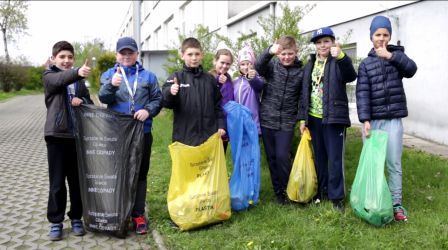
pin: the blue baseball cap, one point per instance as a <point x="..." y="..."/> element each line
<point x="127" y="43"/>
<point x="322" y="32"/>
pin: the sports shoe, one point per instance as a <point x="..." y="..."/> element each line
<point x="55" y="231"/>
<point x="338" y="205"/>
<point x="78" y="227"/>
<point x="400" y="214"/>
<point x="140" y="224"/>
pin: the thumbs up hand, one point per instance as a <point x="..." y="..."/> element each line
<point x="382" y="52"/>
<point x="175" y="87"/>
<point x="275" y="49"/>
<point x="116" y="79"/>
<point x="335" y="50"/>
<point x="222" y="78"/>
<point x="251" y="72"/>
<point x="84" y="71"/>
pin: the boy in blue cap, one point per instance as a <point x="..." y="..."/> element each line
<point x="325" y="107"/>
<point x="129" y="88"/>
<point x="381" y="100"/>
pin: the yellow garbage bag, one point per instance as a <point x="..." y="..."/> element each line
<point x="198" y="194"/>
<point x="302" y="183"/>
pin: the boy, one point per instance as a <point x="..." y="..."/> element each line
<point x="130" y="89"/>
<point x="195" y="98"/>
<point x="325" y="107"/>
<point x="381" y="100"/>
<point x="64" y="88"/>
<point x="279" y="108"/>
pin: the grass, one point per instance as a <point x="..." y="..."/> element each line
<point x="271" y="226"/>
<point x="7" y="95"/>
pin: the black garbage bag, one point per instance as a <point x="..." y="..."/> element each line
<point x="109" y="147"/>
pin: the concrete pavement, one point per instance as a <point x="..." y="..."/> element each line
<point x="24" y="185"/>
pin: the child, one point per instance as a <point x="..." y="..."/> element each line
<point x="279" y="108"/>
<point x="381" y="100"/>
<point x="325" y="107"/>
<point x="194" y="97"/>
<point x="64" y="88"/>
<point x="129" y="88"/>
<point x="222" y="62"/>
<point x="247" y="87"/>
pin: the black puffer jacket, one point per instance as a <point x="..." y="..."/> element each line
<point x="337" y="74"/>
<point x="197" y="106"/>
<point x="379" y="90"/>
<point x="281" y="92"/>
<point x="59" y="122"/>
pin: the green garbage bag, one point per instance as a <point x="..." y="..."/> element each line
<point x="370" y="197"/>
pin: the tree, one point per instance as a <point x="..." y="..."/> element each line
<point x="273" y="28"/>
<point x="13" y="21"/>
<point x="208" y="42"/>
<point x="92" y="50"/>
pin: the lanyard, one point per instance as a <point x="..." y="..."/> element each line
<point x="131" y="93"/>
<point x="322" y="72"/>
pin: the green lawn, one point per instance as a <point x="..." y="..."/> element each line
<point x="271" y="226"/>
<point x="7" y="95"/>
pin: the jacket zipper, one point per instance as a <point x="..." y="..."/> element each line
<point x="386" y="91"/>
<point x="283" y="97"/>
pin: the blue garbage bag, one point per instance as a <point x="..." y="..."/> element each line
<point x="245" y="179"/>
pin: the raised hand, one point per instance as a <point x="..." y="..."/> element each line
<point x="335" y="50"/>
<point x="275" y="49"/>
<point x="117" y="78"/>
<point x="175" y="87"/>
<point x="382" y="52"/>
<point x="222" y="78"/>
<point x="84" y="71"/>
<point x="251" y="73"/>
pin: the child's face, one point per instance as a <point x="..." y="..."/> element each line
<point x="127" y="57"/>
<point x="222" y="65"/>
<point x="192" y="57"/>
<point x="381" y="37"/>
<point x="245" y="66"/>
<point x="287" y="56"/>
<point x="64" y="59"/>
<point x="323" y="46"/>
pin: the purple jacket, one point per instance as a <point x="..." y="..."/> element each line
<point x="247" y="93"/>
<point x="226" y="90"/>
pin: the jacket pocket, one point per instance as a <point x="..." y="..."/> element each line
<point x="59" y="119"/>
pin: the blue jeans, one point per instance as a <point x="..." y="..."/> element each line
<point x="394" y="129"/>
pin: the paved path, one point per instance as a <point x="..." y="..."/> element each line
<point x="24" y="185"/>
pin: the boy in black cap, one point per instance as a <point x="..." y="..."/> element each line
<point x="325" y="107"/>
<point x="381" y="100"/>
<point x="129" y="88"/>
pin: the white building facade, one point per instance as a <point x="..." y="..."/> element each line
<point x="419" y="26"/>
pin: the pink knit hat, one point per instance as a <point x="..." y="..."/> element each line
<point x="246" y="54"/>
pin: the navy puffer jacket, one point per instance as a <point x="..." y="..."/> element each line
<point x="379" y="90"/>
<point x="281" y="92"/>
<point x="337" y="74"/>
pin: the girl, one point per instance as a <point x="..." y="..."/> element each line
<point x="222" y="62"/>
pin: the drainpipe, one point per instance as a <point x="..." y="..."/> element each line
<point x="137" y="5"/>
<point x="272" y="13"/>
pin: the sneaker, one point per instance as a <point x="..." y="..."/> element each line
<point x="78" y="227"/>
<point x="140" y="224"/>
<point x="55" y="231"/>
<point x="400" y="214"/>
<point x="338" y="205"/>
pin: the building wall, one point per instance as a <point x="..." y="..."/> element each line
<point x="419" y="25"/>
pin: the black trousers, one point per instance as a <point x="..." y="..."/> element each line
<point x="328" y="145"/>
<point x="140" y="197"/>
<point x="277" y="145"/>
<point x="62" y="165"/>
